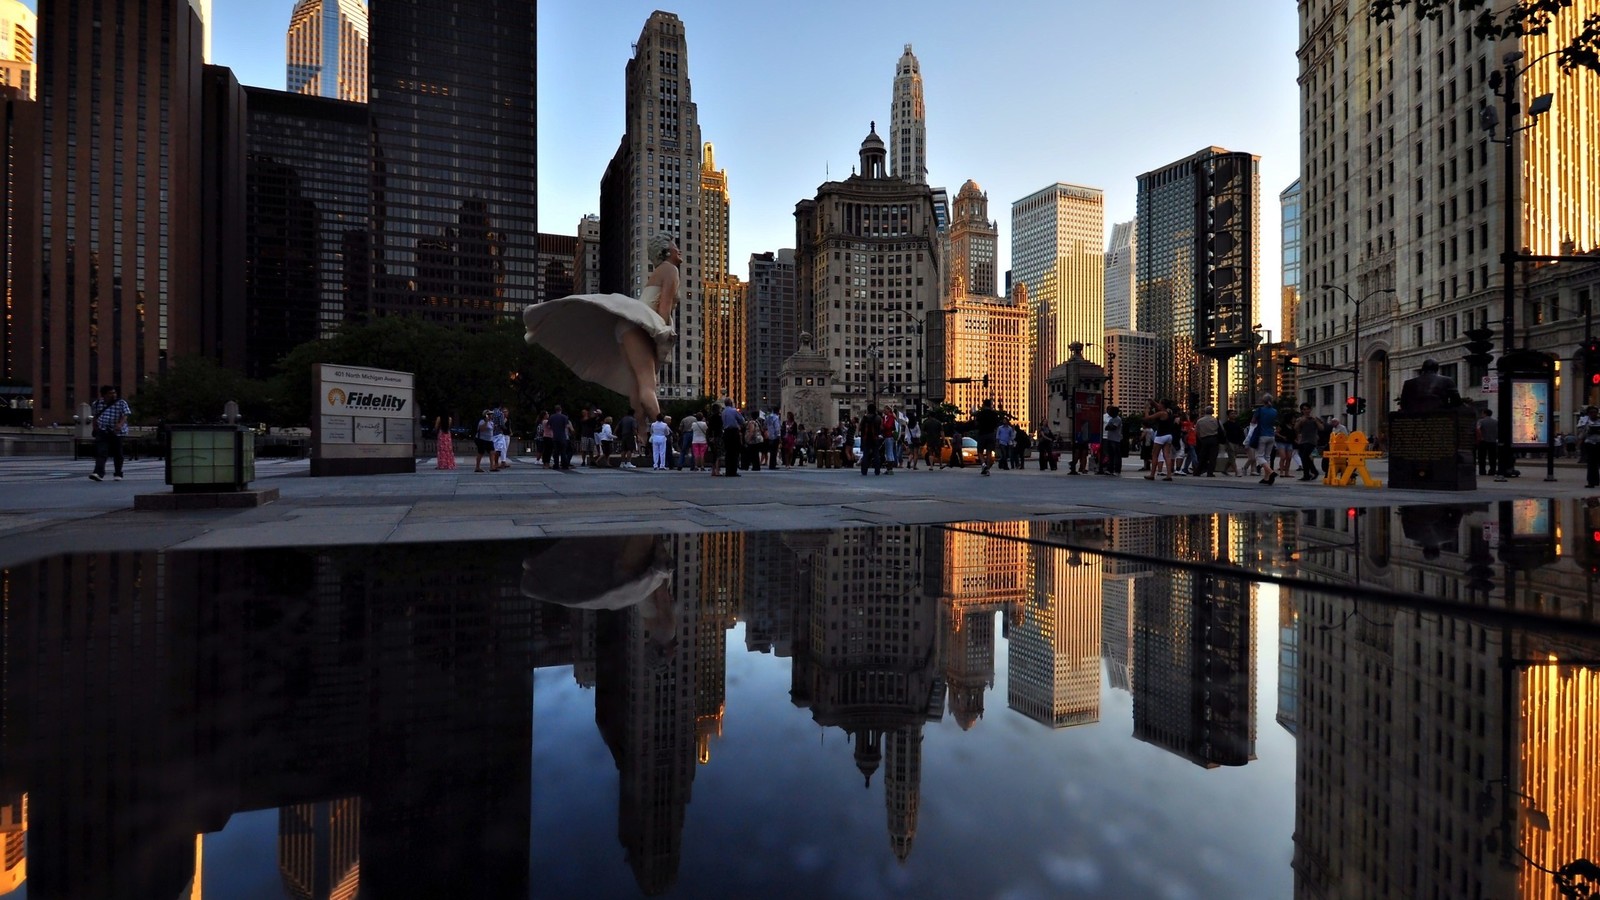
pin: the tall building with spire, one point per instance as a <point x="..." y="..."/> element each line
<point x="1057" y="253"/>
<point x="723" y="295"/>
<point x="454" y="196"/>
<point x="908" y="122"/>
<point x="19" y="35"/>
<point x="651" y="186"/>
<point x="974" y="243"/>
<point x="327" y="49"/>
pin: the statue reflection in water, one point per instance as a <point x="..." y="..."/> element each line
<point x="612" y="574"/>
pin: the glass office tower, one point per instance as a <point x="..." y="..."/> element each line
<point x="454" y="201"/>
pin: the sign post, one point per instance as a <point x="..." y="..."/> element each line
<point x="363" y="421"/>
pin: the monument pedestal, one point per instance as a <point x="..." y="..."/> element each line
<point x="1433" y="451"/>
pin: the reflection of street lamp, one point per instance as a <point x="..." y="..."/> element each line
<point x="1355" y="374"/>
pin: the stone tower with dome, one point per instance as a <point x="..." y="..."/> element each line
<point x="867" y="278"/>
<point x="974" y="242"/>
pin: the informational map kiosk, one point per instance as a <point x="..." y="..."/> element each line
<point x="363" y="421"/>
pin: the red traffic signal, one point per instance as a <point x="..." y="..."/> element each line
<point x="1350" y="406"/>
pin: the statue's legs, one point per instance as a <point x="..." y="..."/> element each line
<point x="639" y="351"/>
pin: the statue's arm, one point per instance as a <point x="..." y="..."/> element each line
<point x="669" y="293"/>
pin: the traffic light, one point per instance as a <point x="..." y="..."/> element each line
<point x="1589" y="355"/>
<point x="1361" y="405"/>
<point x="1479" y="346"/>
<point x="1351" y="406"/>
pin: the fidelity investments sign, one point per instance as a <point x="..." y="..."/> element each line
<point x="363" y="413"/>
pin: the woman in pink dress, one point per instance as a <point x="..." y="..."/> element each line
<point x="446" y="442"/>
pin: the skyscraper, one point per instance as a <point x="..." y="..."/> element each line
<point x="868" y="266"/>
<point x="307" y="218"/>
<point x="121" y="247"/>
<point x="1120" y="309"/>
<point x="772" y="324"/>
<point x="908" y="122"/>
<point x="1057" y="252"/>
<point x="723" y="295"/>
<point x="454" y="203"/>
<point x="19" y="230"/>
<point x="1403" y="191"/>
<point x="1181" y="296"/>
<point x="652" y="185"/>
<point x="19" y="33"/>
<point x="327" y="49"/>
<point x="974" y="242"/>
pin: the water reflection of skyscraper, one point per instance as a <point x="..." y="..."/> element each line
<point x="1054" y="653"/>
<point x="1194" y="648"/>
<point x="866" y="659"/>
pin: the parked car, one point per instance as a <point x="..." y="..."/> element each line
<point x="969" y="451"/>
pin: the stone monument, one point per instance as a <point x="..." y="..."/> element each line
<point x="1431" y="438"/>
<point x="805" y="388"/>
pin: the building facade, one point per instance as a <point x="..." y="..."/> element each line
<point x="1057" y="252"/>
<point x="1200" y="315"/>
<point x="121" y="251"/>
<point x="1130" y="370"/>
<point x="908" y="122"/>
<point x="974" y="243"/>
<point x="19" y="36"/>
<point x="867" y="264"/>
<point x="558" y="266"/>
<point x="586" y="280"/>
<point x="652" y="185"/>
<point x="986" y="355"/>
<point x="306" y="220"/>
<point x="723" y="295"/>
<point x="1121" y="310"/>
<point x="772" y="325"/>
<point x="1404" y="192"/>
<point x="20" y="200"/>
<point x="326" y="49"/>
<point x="454" y="175"/>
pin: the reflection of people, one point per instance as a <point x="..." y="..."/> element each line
<point x="583" y="329"/>
<point x="1428" y="391"/>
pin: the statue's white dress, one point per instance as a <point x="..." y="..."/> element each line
<point x="585" y="332"/>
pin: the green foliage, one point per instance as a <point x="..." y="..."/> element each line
<point x="1521" y="17"/>
<point x="195" y="390"/>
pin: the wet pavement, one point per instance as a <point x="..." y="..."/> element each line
<point x="1323" y="701"/>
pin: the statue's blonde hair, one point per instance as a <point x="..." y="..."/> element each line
<point x="660" y="243"/>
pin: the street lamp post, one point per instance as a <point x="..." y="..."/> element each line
<point x="1355" y="376"/>
<point x="873" y="349"/>
<point x="1503" y="84"/>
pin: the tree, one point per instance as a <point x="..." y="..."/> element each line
<point x="1521" y="17"/>
<point x="194" y="389"/>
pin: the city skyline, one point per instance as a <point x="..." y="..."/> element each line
<point x="777" y="153"/>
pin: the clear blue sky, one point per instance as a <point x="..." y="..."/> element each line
<point x="1019" y="95"/>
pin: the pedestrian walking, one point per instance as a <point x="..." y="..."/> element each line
<point x="987" y="421"/>
<point x="1589" y="440"/>
<point x="561" y="432"/>
<point x="1488" y="444"/>
<point x="110" y="426"/>
<point x="1308" y="434"/>
<point x="1208" y="440"/>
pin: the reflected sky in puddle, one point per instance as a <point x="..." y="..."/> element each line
<point x="1310" y="704"/>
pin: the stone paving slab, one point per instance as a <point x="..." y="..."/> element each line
<point x="49" y="506"/>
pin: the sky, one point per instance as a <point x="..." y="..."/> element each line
<point x="1020" y="94"/>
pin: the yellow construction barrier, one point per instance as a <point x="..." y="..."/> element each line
<point x="1346" y="459"/>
